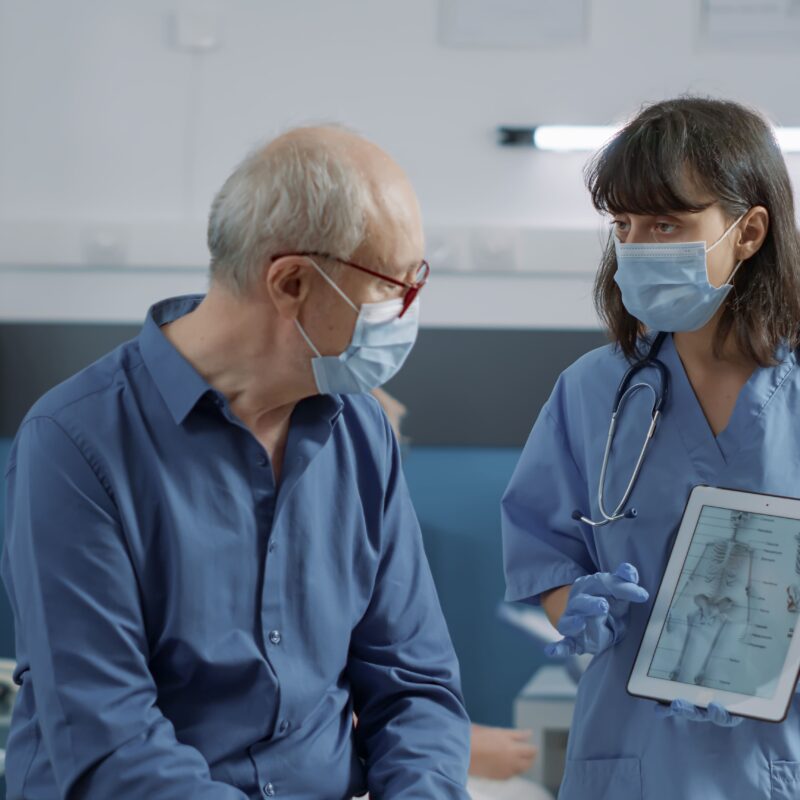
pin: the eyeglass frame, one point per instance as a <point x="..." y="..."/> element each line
<point x="413" y="289"/>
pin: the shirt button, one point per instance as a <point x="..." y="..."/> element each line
<point x="275" y="637"/>
<point x="262" y="460"/>
<point x="284" y="725"/>
<point x="272" y="546"/>
<point x="269" y="790"/>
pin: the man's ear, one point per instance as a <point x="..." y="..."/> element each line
<point x="753" y="230"/>
<point x="287" y="281"/>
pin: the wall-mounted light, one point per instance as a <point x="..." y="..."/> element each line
<point x="587" y="138"/>
<point x="788" y="139"/>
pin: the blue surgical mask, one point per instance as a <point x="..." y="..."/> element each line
<point x="379" y="346"/>
<point x="666" y="286"/>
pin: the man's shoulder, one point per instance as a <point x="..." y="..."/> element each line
<point x="81" y="395"/>
<point x="367" y="428"/>
<point x="364" y="412"/>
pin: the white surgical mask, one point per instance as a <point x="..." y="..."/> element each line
<point x="665" y="285"/>
<point x="379" y="346"/>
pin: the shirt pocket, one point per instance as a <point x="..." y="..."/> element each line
<point x="784" y="780"/>
<point x="602" y="779"/>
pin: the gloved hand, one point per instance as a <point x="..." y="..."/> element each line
<point x="596" y="612"/>
<point x="715" y="713"/>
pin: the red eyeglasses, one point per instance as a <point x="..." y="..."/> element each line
<point x="412" y="289"/>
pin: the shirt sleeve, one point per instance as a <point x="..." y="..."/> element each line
<point x="81" y="634"/>
<point x="543" y="546"/>
<point x="413" y="731"/>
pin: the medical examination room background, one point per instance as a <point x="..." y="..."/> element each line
<point x="119" y="120"/>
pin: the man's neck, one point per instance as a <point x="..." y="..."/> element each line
<point x="234" y="344"/>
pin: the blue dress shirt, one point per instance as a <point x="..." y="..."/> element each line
<point x="186" y="628"/>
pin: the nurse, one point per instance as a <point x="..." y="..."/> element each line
<point x="683" y="171"/>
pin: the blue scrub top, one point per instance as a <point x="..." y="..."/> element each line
<point x="186" y="628"/>
<point x="618" y="748"/>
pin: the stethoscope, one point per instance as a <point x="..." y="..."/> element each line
<point x="624" y="392"/>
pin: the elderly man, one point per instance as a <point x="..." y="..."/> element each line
<point x="210" y="551"/>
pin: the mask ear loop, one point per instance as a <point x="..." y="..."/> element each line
<point x="338" y="291"/>
<point x="724" y="235"/>
<point x="307" y="338"/>
<point x="733" y="274"/>
<point x="333" y="285"/>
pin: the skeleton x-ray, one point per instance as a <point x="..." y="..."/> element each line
<point x="731" y="620"/>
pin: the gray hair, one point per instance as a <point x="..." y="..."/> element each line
<point x="300" y="196"/>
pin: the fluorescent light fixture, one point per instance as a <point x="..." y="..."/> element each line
<point x="566" y="138"/>
<point x="587" y="138"/>
<point x="788" y="139"/>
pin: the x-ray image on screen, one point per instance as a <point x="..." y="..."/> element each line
<point x="731" y="619"/>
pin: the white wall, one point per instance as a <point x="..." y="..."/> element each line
<point x="112" y="141"/>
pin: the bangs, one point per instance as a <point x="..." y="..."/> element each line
<point x="647" y="168"/>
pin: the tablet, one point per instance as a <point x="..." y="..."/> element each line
<point x="723" y="627"/>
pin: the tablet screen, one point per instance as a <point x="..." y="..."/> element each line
<point x="731" y="618"/>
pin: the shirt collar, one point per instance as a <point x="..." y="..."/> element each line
<point x="179" y="383"/>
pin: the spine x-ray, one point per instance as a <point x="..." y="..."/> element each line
<point x="731" y="619"/>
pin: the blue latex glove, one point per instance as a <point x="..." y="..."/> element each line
<point x="715" y="713"/>
<point x="596" y="612"/>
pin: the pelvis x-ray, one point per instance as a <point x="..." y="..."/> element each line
<point x="731" y="620"/>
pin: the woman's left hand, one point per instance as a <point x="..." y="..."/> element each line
<point x="715" y="713"/>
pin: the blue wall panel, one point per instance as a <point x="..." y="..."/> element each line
<point x="456" y="492"/>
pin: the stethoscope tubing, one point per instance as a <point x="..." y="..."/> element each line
<point x="624" y="392"/>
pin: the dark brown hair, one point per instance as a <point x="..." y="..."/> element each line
<point x="729" y="152"/>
